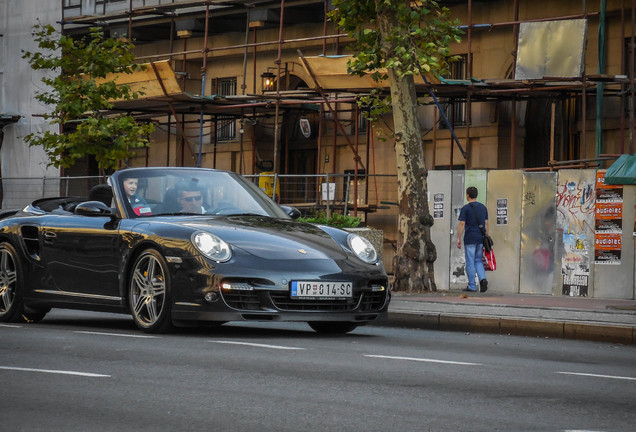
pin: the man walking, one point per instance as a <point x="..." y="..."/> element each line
<point x="471" y="216"/>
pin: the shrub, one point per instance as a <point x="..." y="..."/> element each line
<point x="336" y="220"/>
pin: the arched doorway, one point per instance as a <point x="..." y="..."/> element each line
<point x="299" y="144"/>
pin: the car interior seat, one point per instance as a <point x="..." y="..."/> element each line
<point x="101" y="192"/>
<point x="170" y="203"/>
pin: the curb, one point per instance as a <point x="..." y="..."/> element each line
<point x="560" y="329"/>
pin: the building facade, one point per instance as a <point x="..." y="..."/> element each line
<point x="259" y="87"/>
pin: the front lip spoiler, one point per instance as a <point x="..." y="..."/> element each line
<point x="198" y="315"/>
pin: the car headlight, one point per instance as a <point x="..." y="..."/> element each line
<point x="362" y="248"/>
<point x="212" y="247"/>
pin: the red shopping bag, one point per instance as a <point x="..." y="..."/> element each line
<point x="488" y="258"/>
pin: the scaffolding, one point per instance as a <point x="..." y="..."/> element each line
<point x="270" y="104"/>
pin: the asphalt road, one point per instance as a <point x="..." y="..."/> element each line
<point x="87" y="371"/>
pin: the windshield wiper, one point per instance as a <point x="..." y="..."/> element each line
<point x="179" y="214"/>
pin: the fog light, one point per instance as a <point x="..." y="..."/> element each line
<point x="211" y="297"/>
<point x="376" y="288"/>
<point x="228" y="286"/>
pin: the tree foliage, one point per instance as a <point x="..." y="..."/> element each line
<point x="416" y="43"/>
<point x="396" y="40"/>
<point x="78" y="94"/>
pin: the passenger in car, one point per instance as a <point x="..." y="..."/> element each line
<point x="190" y="198"/>
<point x="138" y="204"/>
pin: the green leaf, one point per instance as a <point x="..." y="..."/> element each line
<point x="76" y="101"/>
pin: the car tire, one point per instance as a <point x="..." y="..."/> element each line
<point x="149" y="293"/>
<point x="34" y="315"/>
<point x="11" y="284"/>
<point x="333" y="327"/>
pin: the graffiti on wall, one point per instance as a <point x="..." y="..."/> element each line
<point x="575" y="204"/>
<point x="576" y="199"/>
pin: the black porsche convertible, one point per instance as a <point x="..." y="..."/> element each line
<point x="182" y="246"/>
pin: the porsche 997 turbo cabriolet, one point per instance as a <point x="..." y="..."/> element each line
<point x="182" y="246"/>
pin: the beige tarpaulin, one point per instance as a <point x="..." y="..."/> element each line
<point x="155" y="80"/>
<point x="331" y="73"/>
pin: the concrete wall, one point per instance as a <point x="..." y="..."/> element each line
<point x="18" y="84"/>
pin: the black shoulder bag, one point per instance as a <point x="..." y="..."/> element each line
<point x="488" y="243"/>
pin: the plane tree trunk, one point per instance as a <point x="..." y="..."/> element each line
<point x="413" y="263"/>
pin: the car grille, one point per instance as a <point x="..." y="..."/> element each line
<point x="260" y="300"/>
<point x="373" y="300"/>
<point x="242" y="300"/>
<point x="283" y="302"/>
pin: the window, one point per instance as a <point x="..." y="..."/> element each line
<point x="225" y="126"/>
<point x="362" y="123"/>
<point x="456" y="111"/>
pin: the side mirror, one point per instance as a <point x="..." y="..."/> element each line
<point x="292" y="212"/>
<point x="94" y="208"/>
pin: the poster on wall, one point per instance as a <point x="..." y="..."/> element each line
<point x="608" y="222"/>
<point x="438" y="206"/>
<point x="575" y="265"/>
<point x="502" y="211"/>
<point x="576" y="199"/>
<point x="609" y="218"/>
<point x="607" y="249"/>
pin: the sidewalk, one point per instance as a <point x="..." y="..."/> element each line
<point x="516" y="314"/>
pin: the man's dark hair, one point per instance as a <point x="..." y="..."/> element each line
<point x="472" y="192"/>
<point x="188" y="186"/>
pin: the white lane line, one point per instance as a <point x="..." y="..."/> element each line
<point x="279" y="347"/>
<point x="422" y="360"/>
<point x="118" y="334"/>
<point x="598" y="376"/>
<point x="51" y="371"/>
<point x="10" y="326"/>
<point x="580" y="430"/>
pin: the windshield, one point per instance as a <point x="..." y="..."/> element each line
<point x="146" y="192"/>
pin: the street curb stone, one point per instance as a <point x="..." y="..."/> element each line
<point x="624" y="334"/>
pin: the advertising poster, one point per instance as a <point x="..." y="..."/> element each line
<point x="609" y="218"/>
<point x="608" y="222"/>
<point x="502" y="211"/>
<point x="607" y="249"/>
<point x="438" y="206"/>
<point x="575" y="265"/>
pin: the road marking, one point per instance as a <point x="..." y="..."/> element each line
<point x="423" y="360"/>
<point x="598" y="376"/>
<point x="84" y="374"/>
<point x="279" y="347"/>
<point x="581" y="430"/>
<point x="10" y="326"/>
<point x="118" y="334"/>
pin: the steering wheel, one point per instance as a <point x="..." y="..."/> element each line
<point x="224" y="210"/>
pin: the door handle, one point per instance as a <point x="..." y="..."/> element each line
<point x="49" y="236"/>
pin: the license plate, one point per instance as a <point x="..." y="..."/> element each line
<point x="321" y="290"/>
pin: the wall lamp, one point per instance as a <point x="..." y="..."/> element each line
<point x="267" y="81"/>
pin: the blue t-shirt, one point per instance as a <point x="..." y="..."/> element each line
<point x="470" y="214"/>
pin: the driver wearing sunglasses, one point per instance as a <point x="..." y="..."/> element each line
<point x="190" y="198"/>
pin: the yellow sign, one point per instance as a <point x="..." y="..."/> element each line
<point x="266" y="183"/>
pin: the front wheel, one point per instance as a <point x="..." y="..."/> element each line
<point x="333" y="327"/>
<point x="11" y="280"/>
<point x="34" y="315"/>
<point x="149" y="293"/>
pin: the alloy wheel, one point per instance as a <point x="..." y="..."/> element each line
<point x="8" y="280"/>
<point x="148" y="291"/>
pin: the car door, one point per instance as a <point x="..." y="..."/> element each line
<point x="81" y="256"/>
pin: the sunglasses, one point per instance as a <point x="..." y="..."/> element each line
<point x="193" y="198"/>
